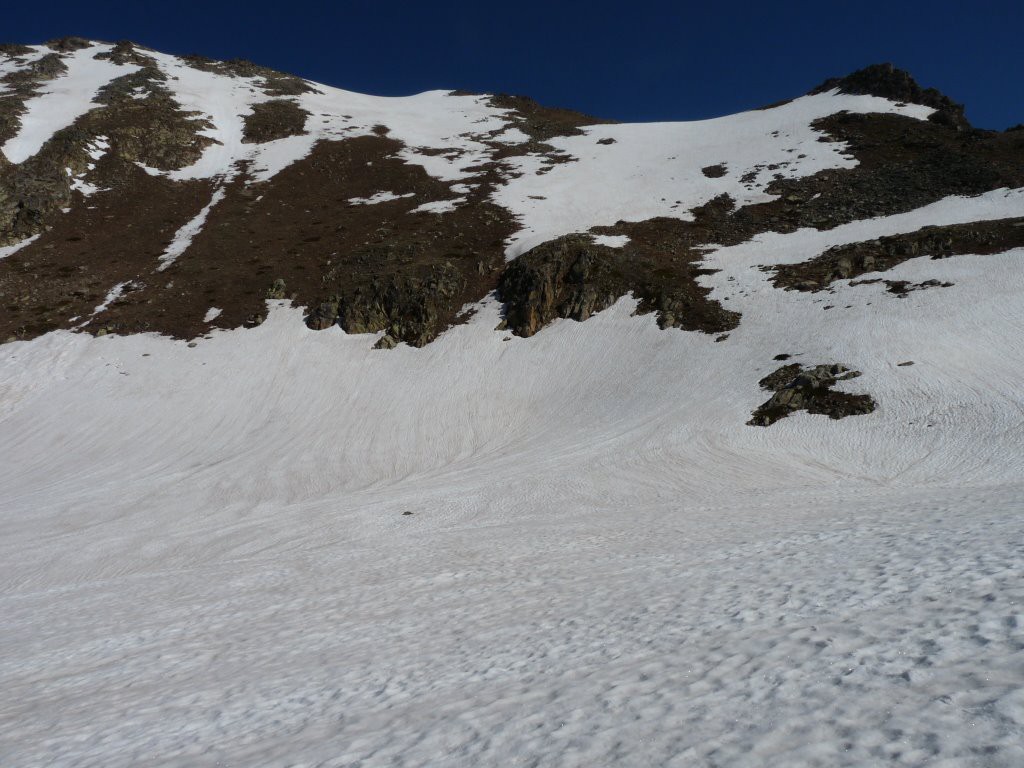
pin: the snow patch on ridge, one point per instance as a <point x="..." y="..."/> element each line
<point x="439" y="206"/>
<point x="654" y="169"/>
<point x="436" y="121"/>
<point x="63" y="100"/>
<point x="112" y="295"/>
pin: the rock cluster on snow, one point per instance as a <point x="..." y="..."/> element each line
<point x="801" y="388"/>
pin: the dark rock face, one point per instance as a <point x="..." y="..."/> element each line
<point x="849" y="261"/>
<point x="714" y="171"/>
<point x="68" y="44"/>
<point x="275" y="119"/>
<point x="570" y="277"/>
<point x="903" y="164"/>
<point x="799" y="388"/>
<point x="272" y="83"/>
<point x="574" y="278"/>
<point x="409" y="308"/>
<point x="888" y="82"/>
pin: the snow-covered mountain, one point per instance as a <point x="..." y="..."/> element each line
<point x="458" y="430"/>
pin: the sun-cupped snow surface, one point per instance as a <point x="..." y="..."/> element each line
<point x="654" y="169"/>
<point x="206" y="556"/>
<point x="63" y="100"/>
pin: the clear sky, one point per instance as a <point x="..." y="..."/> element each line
<point x="624" y="60"/>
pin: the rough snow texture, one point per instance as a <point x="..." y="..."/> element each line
<point x="206" y="558"/>
<point x="596" y="571"/>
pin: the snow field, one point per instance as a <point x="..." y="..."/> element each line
<point x="205" y="558"/>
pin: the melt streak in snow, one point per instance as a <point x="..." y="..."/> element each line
<point x="184" y="236"/>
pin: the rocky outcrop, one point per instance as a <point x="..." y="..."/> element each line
<point x="138" y="118"/>
<point x="407" y="308"/>
<point x="845" y="262"/>
<point x="272" y="82"/>
<point x="889" y="82"/>
<point x="276" y="119"/>
<point x="570" y="277"/>
<point x="800" y="388"/>
<point x="574" y="278"/>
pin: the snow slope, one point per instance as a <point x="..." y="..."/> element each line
<point x="206" y="557"/>
<point x="206" y="560"/>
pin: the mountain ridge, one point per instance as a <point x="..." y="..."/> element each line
<point x="382" y="266"/>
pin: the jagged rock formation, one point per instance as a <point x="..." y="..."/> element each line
<point x="888" y="82"/>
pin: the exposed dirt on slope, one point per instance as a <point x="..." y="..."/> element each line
<point x="137" y="117"/>
<point x="116" y="238"/>
<point x="378" y="267"/>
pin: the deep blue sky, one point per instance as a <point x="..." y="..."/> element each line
<point x="627" y="60"/>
